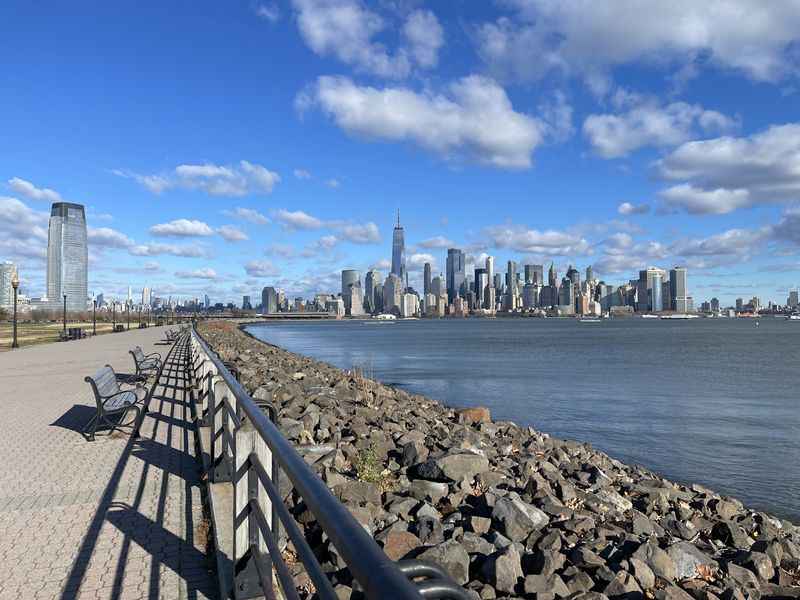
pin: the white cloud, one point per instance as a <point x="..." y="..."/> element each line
<point x="532" y="241"/>
<point x="216" y="180"/>
<point x="27" y="189"/>
<point x="182" y="228"/>
<point x="246" y="214"/>
<point x="23" y="231"/>
<point x="649" y="124"/>
<point x="198" y="274"/>
<point x="359" y="233"/>
<point x="156" y="249"/>
<point x="333" y="183"/>
<point x="270" y="12"/>
<point x="296" y="219"/>
<point x="626" y="208"/>
<point x="346" y="29"/>
<point x="732" y="241"/>
<point x="438" y="241"/>
<point x="556" y="112"/>
<point x="416" y="261"/>
<point x="232" y="234"/>
<point x="474" y="119"/>
<point x="726" y="173"/>
<point x="283" y="250"/>
<point x="381" y="265"/>
<point x="589" y="39"/>
<point x="425" y="37"/>
<point x="261" y="268"/>
<point x="108" y="238"/>
<point x="302" y="174"/>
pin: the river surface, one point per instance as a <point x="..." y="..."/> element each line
<point x="711" y="401"/>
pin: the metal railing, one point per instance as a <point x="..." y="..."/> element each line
<point x="248" y="451"/>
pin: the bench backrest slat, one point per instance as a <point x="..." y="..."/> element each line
<point x="105" y="381"/>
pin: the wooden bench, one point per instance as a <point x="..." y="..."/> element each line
<point x="113" y="403"/>
<point x="146" y="364"/>
<point x="171" y="335"/>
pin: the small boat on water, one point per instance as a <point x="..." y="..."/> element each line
<point x="590" y="320"/>
<point x="650" y="316"/>
<point x="793" y="318"/>
<point x="681" y="317"/>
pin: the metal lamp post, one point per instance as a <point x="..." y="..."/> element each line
<point x="114" y="316"/>
<point x="129" y="315"/>
<point x="15" y="285"/>
<point x="65" y="315"/>
<point x="94" y="317"/>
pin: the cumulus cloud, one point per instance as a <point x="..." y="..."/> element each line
<point x="425" y="37"/>
<point x="532" y="241"/>
<point x="261" y="268"/>
<point x="589" y="39"/>
<point x="269" y="12"/>
<point x="333" y="183"/>
<point x="626" y="208"/>
<point x="156" y="249"/>
<point x="472" y="119"/>
<point x="27" y="189"/>
<point x="182" y="228"/>
<point x="216" y="180"/>
<point x="23" y="231"/>
<point x="650" y="124"/>
<point x="346" y="29"/>
<point x="246" y="214"/>
<point x="296" y="219"/>
<point x="417" y="260"/>
<point x="359" y="233"/>
<point x="210" y="274"/>
<point x="108" y="238"/>
<point x="438" y="241"/>
<point x="722" y="174"/>
<point x="302" y="174"/>
<point x="232" y="234"/>
<point x="732" y="241"/>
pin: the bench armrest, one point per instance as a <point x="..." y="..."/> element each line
<point x="138" y="387"/>
<point x="153" y="354"/>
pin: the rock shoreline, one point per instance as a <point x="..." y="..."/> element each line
<point x="508" y="511"/>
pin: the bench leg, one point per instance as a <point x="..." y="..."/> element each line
<point x="92" y="425"/>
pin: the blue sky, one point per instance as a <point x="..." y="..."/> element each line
<point x="223" y="146"/>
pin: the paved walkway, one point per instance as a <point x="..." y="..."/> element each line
<point x="114" y="518"/>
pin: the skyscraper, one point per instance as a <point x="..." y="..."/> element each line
<point x="481" y="282"/>
<point x="146" y="296"/>
<point x="511" y="277"/>
<point x="392" y="294"/>
<point x="678" y="290"/>
<point x="67" y="256"/>
<point x="371" y="281"/>
<point x="350" y="279"/>
<point x="456" y="272"/>
<point x="7" y="271"/>
<point x="552" y="277"/>
<point x="426" y="279"/>
<point x="269" y="300"/>
<point x="399" y="251"/>
<point x="490" y="269"/>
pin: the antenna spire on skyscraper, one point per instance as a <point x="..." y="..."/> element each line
<point x="398" y="217"/>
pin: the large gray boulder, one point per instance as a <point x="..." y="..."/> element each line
<point x="516" y="518"/>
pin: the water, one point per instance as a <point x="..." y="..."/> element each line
<point x="711" y="401"/>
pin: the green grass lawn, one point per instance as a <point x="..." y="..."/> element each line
<point x="29" y="334"/>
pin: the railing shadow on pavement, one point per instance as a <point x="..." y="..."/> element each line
<point x="128" y="518"/>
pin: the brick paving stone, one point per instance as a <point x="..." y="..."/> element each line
<point x="113" y="518"/>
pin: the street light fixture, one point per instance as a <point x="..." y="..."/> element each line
<point x="15" y="285"/>
<point x="94" y="317"/>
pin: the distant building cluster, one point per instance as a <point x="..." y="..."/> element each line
<point x="521" y="289"/>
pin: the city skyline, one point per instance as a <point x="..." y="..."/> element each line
<point x="617" y="162"/>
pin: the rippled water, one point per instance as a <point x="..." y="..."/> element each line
<point x="712" y="401"/>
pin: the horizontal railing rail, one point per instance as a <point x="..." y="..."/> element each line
<point x="250" y="456"/>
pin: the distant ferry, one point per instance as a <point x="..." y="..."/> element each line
<point x="385" y="317"/>
<point x="650" y="316"/>
<point x="793" y="318"/>
<point x="681" y="317"/>
<point x="590" y="320"/>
